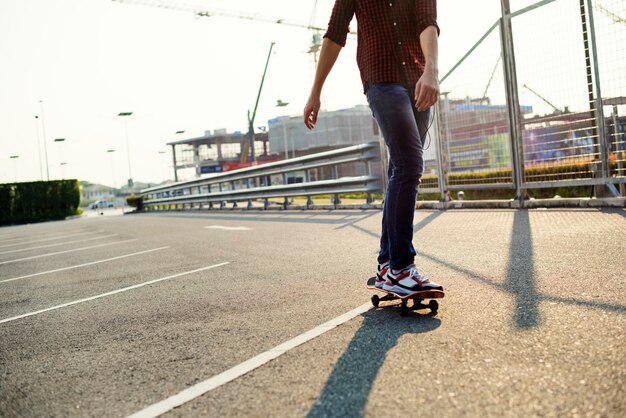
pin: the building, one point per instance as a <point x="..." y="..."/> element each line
<point x="287" y="137"/>
<point x="215" y="152"/>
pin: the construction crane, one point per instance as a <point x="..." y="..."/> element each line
<point x="204" y="12"/>
<point x="557" y="111"/>
<point x="198" y="11"/>
<point x="615" y="17"/>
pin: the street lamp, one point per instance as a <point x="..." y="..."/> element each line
<point x="62" y="175"/>
<point x="111" y="151"/>
<point x="14" y="158"/>
<point x="45" y="144"/>
<point x="60" y="141"/>
<point x="130" y="175"/>
<point x="163" y="163"/>
<point x="280" y="103"/>
<point x="38" y="146"/>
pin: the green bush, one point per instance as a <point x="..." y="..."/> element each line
<point x="553" y="172"/>
<point x="38" y="201"/>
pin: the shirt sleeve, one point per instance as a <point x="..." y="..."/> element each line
<point x="340" y="19"/>
<point x="427" y="15"/>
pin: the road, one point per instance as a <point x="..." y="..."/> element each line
<point x="266" y="314"/>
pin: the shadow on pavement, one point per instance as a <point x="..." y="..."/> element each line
<point x="416" y="227"/>
<point x="328" y="217"/>
<point x="424" y="222"/>
<point x="520" y="279"/>
<point x="347" y="390"/>
<point x="614" y="211"/>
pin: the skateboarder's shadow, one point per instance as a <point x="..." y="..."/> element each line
<point x="347" y="390"/>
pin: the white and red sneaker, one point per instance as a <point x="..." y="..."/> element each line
<point x="408" y="281"/>
<point x="381" y="272"/>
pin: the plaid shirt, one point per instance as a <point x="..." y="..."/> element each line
<point x="387" y="38"/>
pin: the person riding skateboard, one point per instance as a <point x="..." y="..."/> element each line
<point x="397" y="56"/>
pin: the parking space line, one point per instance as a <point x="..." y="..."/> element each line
<point x="15" y="244"/>
<point x="228" y="228"/>
<point x="84" y="265"/>
<point x="114" y="292"/>
<point x="229" y="375"/>
<point x="67" y="251"/>
<point x="58" y="244"/>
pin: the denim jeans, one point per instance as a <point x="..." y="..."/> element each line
<point x="403" y="128"/>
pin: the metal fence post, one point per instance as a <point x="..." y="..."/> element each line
<point x="510" y="75"/>
<point x="442" y="171"/>
<point x="595" y="91"/>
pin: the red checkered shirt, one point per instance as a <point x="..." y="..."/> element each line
<point x="387" y="38"/>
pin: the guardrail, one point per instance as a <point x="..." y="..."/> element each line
<point x="255" y="183"/>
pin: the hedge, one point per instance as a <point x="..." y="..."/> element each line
<point x="553" y="172"/>
<point x="38" y="201"/>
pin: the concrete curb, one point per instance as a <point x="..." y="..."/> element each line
<point x="614" y="202"/>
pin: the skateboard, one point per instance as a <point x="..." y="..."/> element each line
<point x="417" y="298"/>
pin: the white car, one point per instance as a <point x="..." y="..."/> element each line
<point x="101" y="204"/>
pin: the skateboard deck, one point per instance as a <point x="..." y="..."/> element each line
<point x="417" y="298"/>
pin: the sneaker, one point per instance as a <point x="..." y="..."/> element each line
<point x="381" y="272"/>
<point x="408" y="281"/>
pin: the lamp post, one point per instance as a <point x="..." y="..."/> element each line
<point x="63" y="175"/>
<point x="163" y="163"/>
<point x="130" y="175"/>
<point x="14" y="158"/>
<point x="60" y="141"/>
<point x="280" y="103"/>
<point x="174" y="167"/>
<point x="38" y="147"/>
<point x="45" y="145"/>
<point x="110" y="152"/>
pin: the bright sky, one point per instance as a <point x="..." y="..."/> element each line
<point x="89" y="60"/>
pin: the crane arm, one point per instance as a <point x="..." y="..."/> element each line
<point x="203" y="12"/>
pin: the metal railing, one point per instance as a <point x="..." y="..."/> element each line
<point x="524" y="108"/>
<point x="269" y="181"/>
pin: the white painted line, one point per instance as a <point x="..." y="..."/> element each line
<point x="228" y="228"/>
<point x="49" y="239"/>
<point x="229" y="375"/>
<point x="114" y="292"/>
<point x="67" y="251"/>
<point x="58" y="244"/>
<point x="83" y="265"/>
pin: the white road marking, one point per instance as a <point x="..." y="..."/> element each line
<point x="59" y="243"/>
<point x="229" y="375"/>
<point x="83" y="265"/>
<point x="228" y="228"/>
<point x="67" y="251"/>
<point x="114" y="292"/>
<point x="48" y="239"/>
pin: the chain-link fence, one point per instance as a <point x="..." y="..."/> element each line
<point x="538" y="102"/>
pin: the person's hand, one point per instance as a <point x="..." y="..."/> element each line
<point x="426" y="91"/>
<point x="311" y="109"/>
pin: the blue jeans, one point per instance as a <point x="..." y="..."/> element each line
<point x="403" y="128"/>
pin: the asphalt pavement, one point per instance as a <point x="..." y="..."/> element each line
<point x="266" y="314"/>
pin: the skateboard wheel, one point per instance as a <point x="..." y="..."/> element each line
<point x="433" y="305"/>
<point x="404" y="309"/>
<point x="375" y="301"/>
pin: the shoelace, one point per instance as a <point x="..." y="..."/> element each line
<point x="418" y="277"/>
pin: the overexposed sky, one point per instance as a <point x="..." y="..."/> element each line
<point x="89" y="60"/>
